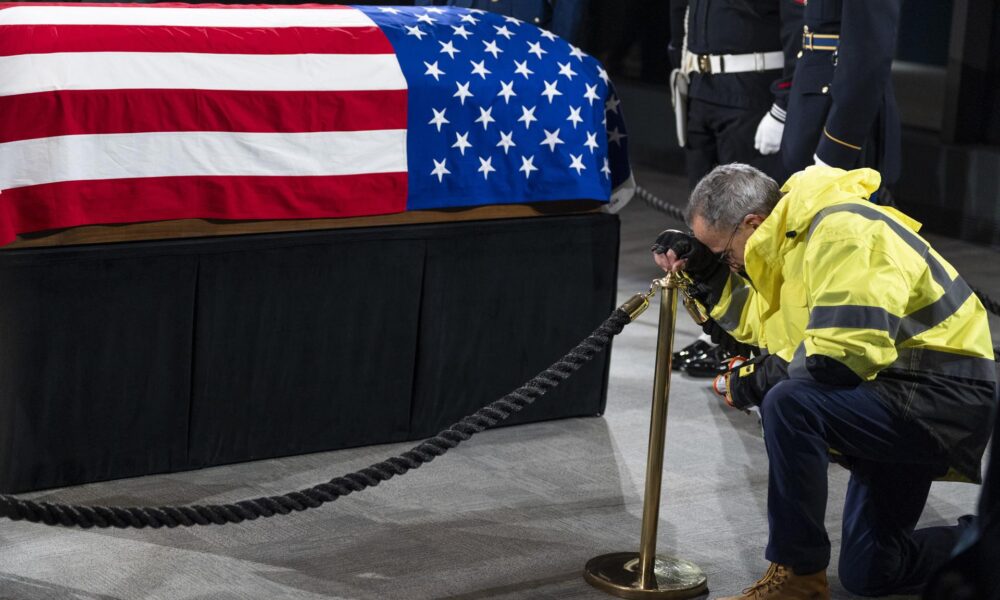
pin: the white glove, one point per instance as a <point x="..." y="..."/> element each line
<point x="817" y="161"/>
<point x="768" y="137"/>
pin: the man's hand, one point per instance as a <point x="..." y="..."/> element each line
<point x="679" y="251"/>
<point x="669" y="262"/>
<point x="721" y="383"/>
<point x="668" y="247"/>
<point x="747" y="384"/>
<point x="768" y="137"/>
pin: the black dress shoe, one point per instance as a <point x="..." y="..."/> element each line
<point x="712" y="363"/>
<point x="695" y="350"/>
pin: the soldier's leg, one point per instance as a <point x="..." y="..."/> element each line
<point x="701" y="152"/>
<point x="736" y="129"/>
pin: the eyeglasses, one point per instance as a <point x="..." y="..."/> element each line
<point x="725" y="257"/>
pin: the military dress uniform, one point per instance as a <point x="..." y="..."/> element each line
<point x="841" y="109"/>
<point x="739" y="56"/>
<point x="561" y="17"/>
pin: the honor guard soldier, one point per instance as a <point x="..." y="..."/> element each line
<point x="735" y="58"/>
<point x="733" y="63"/>
<point x="841" y="109"/>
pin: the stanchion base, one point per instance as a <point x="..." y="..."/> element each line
<point x="618" y="575"/>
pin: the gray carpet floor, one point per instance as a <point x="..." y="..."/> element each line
<point x="514" y="513"/>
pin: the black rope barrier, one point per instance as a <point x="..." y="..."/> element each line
<point x="139" y="517"/>
<point x="665" y="207"/>
<point x="659" y="203"/>
<point x="68" y="515"/>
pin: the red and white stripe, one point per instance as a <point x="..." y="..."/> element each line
<point x="123" y="113"/>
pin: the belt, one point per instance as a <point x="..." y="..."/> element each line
<point x="733" y="63"/>
<point x="820" y="41"/>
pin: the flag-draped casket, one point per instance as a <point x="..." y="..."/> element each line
<point x="120" y="113"/>
<point x="124" y="359"/>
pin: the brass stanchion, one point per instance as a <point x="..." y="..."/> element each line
<point x="644" y="574"/>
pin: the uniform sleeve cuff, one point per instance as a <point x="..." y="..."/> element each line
<point x="837" y="152"/>
<point x="777" y="112"/>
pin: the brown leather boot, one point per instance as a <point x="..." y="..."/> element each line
<point x="780" y="583"/>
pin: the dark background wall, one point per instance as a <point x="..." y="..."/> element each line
<point x="992" y="105"/>
<point x="951" y="174"/>
<point x="924" y="31"/>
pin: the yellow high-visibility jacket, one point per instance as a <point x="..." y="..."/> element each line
<point x="832" y="274"/>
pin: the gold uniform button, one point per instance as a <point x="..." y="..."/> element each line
<point x="825" y="89"/>
<point x="537" y="20"/>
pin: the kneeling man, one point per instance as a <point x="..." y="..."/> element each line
<point x="874" y="351"/>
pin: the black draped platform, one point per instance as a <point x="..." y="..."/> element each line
<point x="129" y="359"/>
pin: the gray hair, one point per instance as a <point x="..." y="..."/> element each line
<point x="729" y="193"/>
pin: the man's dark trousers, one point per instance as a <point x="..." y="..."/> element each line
<point x="892" y="465"/>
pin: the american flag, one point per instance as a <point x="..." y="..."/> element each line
<point x="113" y="113"/>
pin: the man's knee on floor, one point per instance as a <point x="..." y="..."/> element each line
<point x="869" y="576"/>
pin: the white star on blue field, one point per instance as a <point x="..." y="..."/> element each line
<point x="500" y="111"/>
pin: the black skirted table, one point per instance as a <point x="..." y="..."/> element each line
<point x="127" y="359"/>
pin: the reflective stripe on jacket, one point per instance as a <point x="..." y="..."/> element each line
<point x="834" y="275"/>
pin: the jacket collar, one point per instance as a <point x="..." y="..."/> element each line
<point x="803" y="195"/>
